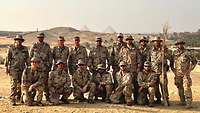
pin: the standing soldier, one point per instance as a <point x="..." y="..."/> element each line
<point x="103" y="80"/>
<point x="33" y="83"/>
<point x="82" y="82"/>
<point x="147" y="81"/>
<point x="98" y="55"/>
<point x="60" y="52"/>
<point x="59" y="84"/>
<point x="17" y="59"/>
<point x="144" y="51"/>
<point x="184" y="63"/>
<point x="130" y="55"/>
<point x="42" y="50"/>
<point x="115" y="54"/>
<point x="156" y="60"/>
<point x="76" y="53"/>
<point x="124" y="85"/>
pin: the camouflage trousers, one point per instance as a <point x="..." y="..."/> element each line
<point x="184" y="88"/>
<point x="115" y="70"/>
<point x="135" y="86"/>
<point x="15" y="85"/>
<point x="103" y="91"/>
<point x="46" y="88"/>
<point x="28" y="97"/>
<point x="55" y="94"/>
<point x="143" y="96"/>
<point x="119" y="92"/>
<point x="78" y="94"/>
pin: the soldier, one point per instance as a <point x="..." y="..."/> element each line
<point x="156" y="60"/>
<point x="184" y="63"/>
<point x="76" y="53"/>
<point x="82" y="82"/>
<point x="98" y="55"/>
<point x="124" y="85"/>
<point x="60" y="52"/>
<point x="115" y="54"/>
<point x="17" y="59"/>
<point x="59" y="84"/>
<point x="144" y="51"/>
<point x="103" y="80"/>
<point x="42" y="50"/>
<point x="130" y="55"/>
<point x="147" y="81"/>
<point x="33" y="83"/>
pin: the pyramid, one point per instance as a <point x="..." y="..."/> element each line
<point x="109" y="29"/>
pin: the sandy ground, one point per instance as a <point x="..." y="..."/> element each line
<point x="102" y="107"/>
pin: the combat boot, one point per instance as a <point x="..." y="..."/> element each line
<point x="188" y="104"/>
<point x="90" y="101"/>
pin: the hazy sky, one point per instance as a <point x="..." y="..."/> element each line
<point x="123" y="15"/>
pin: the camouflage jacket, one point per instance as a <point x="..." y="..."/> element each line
<point x="183" y="59"/>
<point x="17" y="58"/>
<point x="123" y="79"/>
<point x="81" y="78"/>
<point x="104" y="78"/>
<point x="33" y="77"/>
<point x="59" y="79"/>
<point x="145" y="79"/>
<point x="144" y="56"/>
<point x="42" y="51"/>
<point x="131" y="57"/>
<point x="115" y="57"/>
<point x="74" y="56"/>
<point x="98" y="55"/>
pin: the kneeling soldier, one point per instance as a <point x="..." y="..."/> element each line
<point x="124" y="85"/>
<point x="82" y="83"/>
<point x="147" y="80"/>
<point x="33" y="83"/>
<point x="59" y="83"/>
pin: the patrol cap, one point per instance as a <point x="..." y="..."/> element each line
<point x="179" y="41"/>
<point x="61" y="38"/>
<point x="41" y="35"/>
<point x="147" y="64"/>
<point x="157" y="38"/>
<point x="98" y="39"/>
<point x="100" y="66"/>
<point x="19" y="37"/>
<point x="120" y="35"/>
<point x="59" y="62"/>
<point x="122" y="63"/>
<point x="35" y="59"/>
<point x="129" y="37"/>
<point x="144" y="38"/>
<point x="80" y="62"/>
<point x="76" y="38"/>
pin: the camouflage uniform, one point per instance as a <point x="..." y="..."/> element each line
<point x="43" y="51"/>
<point x="147" y="82"/>
<point x="16" y="60"/>
<point x="82" y="82"/>
<point x="124" y="87"/>
<point x="184" y="62"/>
<point x="104" y="84"/>
<point x="59" y="83"/>
<point x="32" y="82"/>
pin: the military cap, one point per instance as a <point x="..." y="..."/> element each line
<point x="179" y="41"/>
<point x="80" y="61"/>
<point x="156" y="38"/>
<point x="19" y="37"/>
<point x="120" y="35"/>
<point x="59" y="62"/>
<point x="61" y="38"/>
<point x="76" y="38"/>
<point x="129" y="37"/>
<point x="35" y="59"/>
<point x="41" y="35"/>
<point x="147" y="64"/>
<point x="100" y="66"/>
<point x="144" y="38"/>
<point x="122" y="63"/>
<point x="98" y="39"/>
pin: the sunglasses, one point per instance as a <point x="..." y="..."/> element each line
<point x="122" y="66"/>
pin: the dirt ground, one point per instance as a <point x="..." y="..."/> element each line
<point x="102" y="107"/>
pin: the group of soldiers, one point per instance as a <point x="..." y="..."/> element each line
<point x="138" y="71"/>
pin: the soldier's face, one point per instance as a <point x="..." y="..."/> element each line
<point x="61" y="66"/>
<point x="143" y="43"/>
<point x="82" y="66"/>
<point x="120" y="39"/>
<point x="98" y="43"/>
<point x="61" y="43"/>
<point x="77" y="42"/>
<point x="180" y="46"/>
<point x="157" y="43"/>
<point x="123" y="67"/>
<point x="101" y="70"/>
<point x="18" y="43"/>
<point x="34" y="65"/>
<point x="147" y="68"/>
<point x="129" y="42"/>
<point x="41" y="39"/>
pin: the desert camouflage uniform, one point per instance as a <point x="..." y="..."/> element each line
<point x="17" y="59"/>
<point x="144" y="56"/>
<point x="183" y="61"/>
<point x="59" y="83"/>
<point x="124" y="87"/>
<point x="32" y="82"/>
<point x="75" y="55"/>
<point x="60" y="54"/>
<point x="43" y="51"/>
<point x="82" y="78"/>
<point x="146" y="82"/>
<point x="132" y="58"/>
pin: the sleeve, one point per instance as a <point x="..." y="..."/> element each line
<point x="193" y="60"/>
<point x="41" y="80"/>
<point x="70" y="62"/>
<point x="50" y="57"/>
<point x="50" y="79"/>
<point x="28" y="60"/>
<point x="31" y="54"/>
<point x="25" y="78"/>
<point x="108" y="57"/>
<point x="74" y="81"/>
<point x="8" y="57"/>
<point x="68" y="82"/>
<point x="109" y="79"/>
<point x="141" y="82"/>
